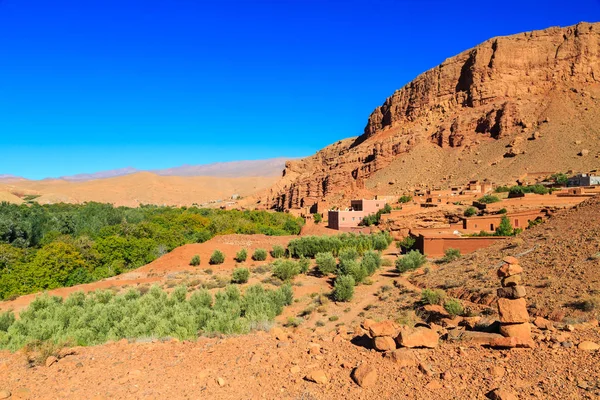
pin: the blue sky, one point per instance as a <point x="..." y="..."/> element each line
<point x="91" y="85"/>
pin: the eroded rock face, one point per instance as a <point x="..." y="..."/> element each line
<point x="489" y="92"/>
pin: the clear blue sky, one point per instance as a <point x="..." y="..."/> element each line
<point x="90" y="85"/>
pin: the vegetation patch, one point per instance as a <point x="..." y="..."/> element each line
<point x="411" y="261"/>
<point x="101" y="316"/>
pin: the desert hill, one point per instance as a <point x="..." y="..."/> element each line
<point x="512" y="105"/>
<point x="140" y="188"/>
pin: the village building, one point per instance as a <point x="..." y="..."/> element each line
<point x="583" y="180"/>
<point x="489" y="223"/>
<point x="434" y="242"/>
<point x="349" y="219"/>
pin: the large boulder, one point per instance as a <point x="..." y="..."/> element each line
<point x="418" y="337"/>
<point x="384" y="328"/>
<point x="365" y="375"/>
<point x="384" y="343"/>
<point x="513" y="311"/>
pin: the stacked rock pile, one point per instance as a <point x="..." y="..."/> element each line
<point x="512" y="307"/>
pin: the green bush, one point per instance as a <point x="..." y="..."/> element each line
<point x="217" y="257"/>
<point x="412" y="260"/>
<point x="285" y="269"/>
<point x="102" y="316"/>
<point x="502" y="211"/>
<point x="240" y="275"/>
<point x="470" y="211"/>
<point x="310" y="246"/>
<point x="195" y="261"/>
<point x="436" y="296"/>
<point x="489" y="199"/>
<point x="277" y="252"/>
<point x="347" y="255"/>
<point x="326" y="263"/>
<point x="451" y="255"/>
<point x="241" y="255"/>
<point x="560" y="178"/>
<point x="317" y="218"/>
<point x="407" y="243"/>
<point x="304" y="264"/>
<point x="354" y="269"/>
<point x="259" y="255"/>
<point x="454" y="307"/>
<point x="371" y="262"/>
<point x="343" y="288"/>
<point x="405" y="199"/>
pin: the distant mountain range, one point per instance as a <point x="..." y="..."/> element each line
<point x="272" y="167"/>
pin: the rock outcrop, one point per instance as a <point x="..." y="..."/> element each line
<point x="494" y="91"/>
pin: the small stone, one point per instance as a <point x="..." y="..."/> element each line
<point x="497" y="372"/>
<point x="221" y="381"/>
<point x="314" y="349"/>
<point x="317" y="376"/>
<point x="384" y="328"/>
<point x="512" y="292"/>
<point x="51" y="360"/>
<point x="426" y="369"/>
<point x="588" y="346"/>
<point x="433" y="385"/>
<point x="365" y="375"/>
<point x="436" y="309"/>
<point x="384" y="343"/>
<point x="543" y="323"/>
<point x="279" y="333"/>
<point x="4" y="394"/>
<point x="22" y="394"/>
<point x="510" y="260"/>
<point x="367" y="323"/>
<point x="512" y="280"/>
<point x="501" y="394"/>
<point x="402" y="357"/>
<point x="295" y="369"/>
<point x="584" y="152"/>
<point x="569" y="328"/>
<point x="513" y="311"/>
<point x="566" y="344"/>
<point x="509" y="270"/>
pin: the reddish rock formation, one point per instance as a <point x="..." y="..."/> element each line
<point x="493" y="91"/>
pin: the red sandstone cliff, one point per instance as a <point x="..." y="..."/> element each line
<point x="503" y="89"/>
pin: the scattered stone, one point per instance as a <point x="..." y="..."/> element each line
<point x="221" y="381"/>
<point x="543" y="323"/>
<point x="418" y="337"/>
<point x="402" y="357"/>
<point x="279" y="333"/>
<point x="295" y="369"/>
<point x="566" y="344"/>
<point x="384" y="343"/>
<point x="51" y="360"/>
<point x="317" y="376"/>
<point x="22" y="394"/>
<point x="367" y="323"/>
<point x="433" y="385"/>
<point x="569" y="328"/>
<point x="584" y="152"/>
<point x="510" y="260"/>
<point x="511" y="342"/>
<point x="588" y="346"/>
<point x="426" y="369"/>
<point x="384" y="328"/>
<point x="470" y="322"/>
<point x="365" y="375"/>
<point x="436" y="309"/>
<point x="4" y="394"/>
<point x="474" y="338"/>
<point x="314" y="349"/>
<point x="501" y="394"/>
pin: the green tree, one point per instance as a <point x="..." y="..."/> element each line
<point x="317" y="218"/>
<point x="470" y="211"/>
<point x="343" y="288"/>
<point x="53" y="265"/>
<point x="412" y="260"/>
<point x="505" y="228"/>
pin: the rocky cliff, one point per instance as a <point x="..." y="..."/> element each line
<point x="502" y="90"/>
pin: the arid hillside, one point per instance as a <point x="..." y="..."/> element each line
<point x="523" y="103"/>
<point x="135" y="189"/>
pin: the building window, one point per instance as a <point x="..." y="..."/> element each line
<point x="475" y="225"/>
<point x="491" y="227"/>
<point x="516" y="222"/>
<point x="343" y="219"/>
<point x="352" y="218"/>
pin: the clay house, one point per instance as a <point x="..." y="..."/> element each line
<point x="434" y="242"/>
<point x="350" y="219"/>
<point x="489" y="223"/>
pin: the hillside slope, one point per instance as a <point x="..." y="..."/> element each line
<point x="523" y="103"/>
<point x="560" y="259"/>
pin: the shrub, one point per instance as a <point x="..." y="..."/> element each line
<point x="277" y="252"/>
<point x="380" y="242"/>
<point x="436" y="296"/>
<point x="259" y="255"/>
<point x="489" y="199"/>
<point x="405" y="199"/>
<point x="560" y="178"/>
<point x="505" y="228"/>
<point x="310" y="246"/>
<point x="217" y="257"/>
<point x="285" y="269"/>
<point x="407" y="243"/>
<point x="195" y="261"/>
<point x="240" y="275"/>
<point x="353" y="268"/>
<point x="371" y="262"/>
<point x="343" y="288"/>
<point x="470" y="211"/>
<point x="304" y="264"/>
<point x="412" y="260"/>
<point x="454" y="307"/>
<point x="502" y="189"/>
<point x="325" y="263"/>
<point x="502" y="211"/>
<point x="241" y="255"/>
<point x="317" y="218"/>
<point x="451" y="255"/>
